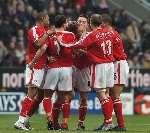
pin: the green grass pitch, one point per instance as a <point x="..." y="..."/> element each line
<point x="135" y="124"/>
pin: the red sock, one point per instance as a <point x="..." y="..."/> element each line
<point x="47" y="104"/>
<point x="111" y="105"/>
<point x="107" y="110"/>
<point x="66" y="109"/>
<point x="56" y="111"/>
<point x="82" y="113"/>
<point x="26" y="104"/>
<point x="118" y="111"/>
<point x="34" y="107"/>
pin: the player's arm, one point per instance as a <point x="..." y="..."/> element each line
<point x="40" y="41"/>
<point x="39" y="53"/>
<point x="82" y="43"/>
<point x="117" y="40"/>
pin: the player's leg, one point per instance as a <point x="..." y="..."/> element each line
<point x="82" y="83"/>
<point x="33" y="81"/>
<point x="121" y="74"/>
<point x="65" y="87"/>
<point x="117" y="105"/>
<point x="57" y="108"/>
<point x="67" y="97"/>
<point x="26" y="105"/>
<point x="47" y="104"/>
<point x="49" y="88"/>
<point x="35" y="104"/>
<point x="103" y="80"/>
<point x="106" y="110"/>
<point x="82" y="110"/>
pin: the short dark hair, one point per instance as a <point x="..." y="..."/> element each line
<point x="84" y="16"/>
<point x="60" y="20"/>
<point x="106" y="18"/>
<point x="96" y="19"/>
<point x="40" y="16"/>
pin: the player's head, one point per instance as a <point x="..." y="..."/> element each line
<point x="95" y="20"/>
<point x="43" y="18"/>
<point x="106" y="19"/>
<point x="72" y="26"/>
<point x="60" y="21"/>
<point x="82" y="22"/>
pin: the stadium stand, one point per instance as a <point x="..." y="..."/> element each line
<point x="16" y="16"/>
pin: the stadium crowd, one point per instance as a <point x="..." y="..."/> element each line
<point x="16" y="16"/>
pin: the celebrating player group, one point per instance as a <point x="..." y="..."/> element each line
<point x="74" y="56"/>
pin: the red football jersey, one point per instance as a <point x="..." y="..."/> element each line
<point x="81" y="60"/>
<point x="62" y="55"/>
<point x="33" y="34"/>
<point x="118" y="49"/>
<point x="99" y="45"/>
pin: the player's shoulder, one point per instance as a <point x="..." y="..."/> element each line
<point x="32" y="29"/>
<point x="65" y="33"/>
<point x="68" y="33"/>
<point x="67" y="37"/>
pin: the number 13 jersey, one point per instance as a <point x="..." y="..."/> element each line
<point x="99" y="44"/>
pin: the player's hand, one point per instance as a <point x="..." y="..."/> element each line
<point x="82" y="51"/>
<point x="31" y="65"/>
<point x="51" y="31"/>
<point x="79" y="52"/>
<point x="51" y="59"/>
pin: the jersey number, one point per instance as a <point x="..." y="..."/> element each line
<point x="107" y="48"/>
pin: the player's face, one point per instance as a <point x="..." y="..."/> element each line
<point x="82" y="23"/>
<point x="46" y="20"/>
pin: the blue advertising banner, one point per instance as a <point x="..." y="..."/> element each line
<point x="10" y="102"/>
<point x="93" y="104"/>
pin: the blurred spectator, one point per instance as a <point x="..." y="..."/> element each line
<point x="11" y="59"/>
<point x="133" y="34"/>
<point x="124" y="19"/>
<point x="21" y="36"/>
<point x="116" y="19"/>
<point x="3" y="52"/>
<point x="80" y="3"/>
<point x="144" y="28"/>
<point x="20" y="53"/>
<point x="136" y="60"/>
<point x="147" y="59"/>
<point x="120" y="19"/>
<point x="104" y="6"/>
<point x="16" y="16"/>
<point x="146" y="42"/>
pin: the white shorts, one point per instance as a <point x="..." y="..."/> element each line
<point x="121" y="71"/>
<point x="34" y="77"/>
<point x="59" y="78"/>
<point x="81" y="79"/>
<point x="102" y="75"/>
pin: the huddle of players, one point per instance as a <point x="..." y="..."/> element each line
<point x="70" y="57"/>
